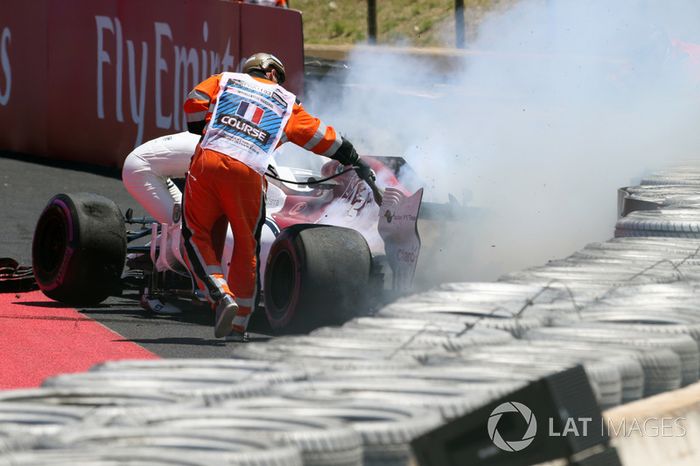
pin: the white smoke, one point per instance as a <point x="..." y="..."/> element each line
<point x="556" y="105"/>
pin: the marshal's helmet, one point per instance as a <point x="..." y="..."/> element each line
<point x="264" y="62"/>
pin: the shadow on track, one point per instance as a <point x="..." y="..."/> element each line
<point x="255" y="337"/>
<point x="55" y="305"/>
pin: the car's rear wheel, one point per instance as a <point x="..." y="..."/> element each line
<point x="79" y="248"/>
<point x="316" y="275"/>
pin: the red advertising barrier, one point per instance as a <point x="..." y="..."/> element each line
<point x="89" y="80"/>
<point x="24" y="89"/>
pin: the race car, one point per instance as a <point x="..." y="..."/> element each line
<point x="328" y="249"/>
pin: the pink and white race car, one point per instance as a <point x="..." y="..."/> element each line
<point x="328" y="252"/>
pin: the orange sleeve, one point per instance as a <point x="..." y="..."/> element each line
<point x="199" y="102"/>
<point x="309" y="132"/>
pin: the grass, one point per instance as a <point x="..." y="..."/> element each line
<point x="399" y="22"/>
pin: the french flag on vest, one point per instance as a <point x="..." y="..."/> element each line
<point x="250" y="112"/>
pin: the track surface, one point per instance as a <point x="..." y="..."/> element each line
<point x="26" y="184"/>
<point x="41" y="338"/>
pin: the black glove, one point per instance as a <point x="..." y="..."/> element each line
<point x="347" y="155"/>
<point x="364" y="171"/>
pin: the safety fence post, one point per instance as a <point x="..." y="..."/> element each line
<point x="372" y="21"/>
<point x="459" y="24"/>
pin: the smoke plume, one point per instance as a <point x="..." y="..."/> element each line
<point x="551" y="109"/>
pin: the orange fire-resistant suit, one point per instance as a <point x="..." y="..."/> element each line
<point x="243" y="119"/>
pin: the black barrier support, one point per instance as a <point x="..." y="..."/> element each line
<point x="568" y="424"/>
<point x="372" y="21"/>
<point x="459" y="24"/>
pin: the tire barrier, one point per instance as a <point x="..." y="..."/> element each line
<point x="653" y="197"/>
<point x="386" y="430"/>
<point x="679" y="176"/>
<point x="213" y="371"/>
<point x="250" y="453"/>
<point x="450" y="400"/>
<point x="204" y="386"/>
<point x="661" y="368"/>
<point x="683" y="345"/>
<point x="669" y="205"/>
<point x="438" y="325"/>
<point x="676" y="223"/>
<point x="87" y="398"/>
<point x="604" y="377"/>
<point x="321" y="441"/>
<point x="406" y="338"/>
<point x="596" y="363"/>
<point x="309" y="356"/>
<point x="666" y="323"/>
<point x="253" y="368"/>
<point x="456" y="313"/>
<point x="22" y="424"/>
<point x="231" y="445"/>
<point x="606" y="275"/>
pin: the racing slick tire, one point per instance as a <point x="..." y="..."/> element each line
<point x="79" y="248"/>
<point x="316" y="275"/>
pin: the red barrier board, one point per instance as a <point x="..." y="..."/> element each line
<point x="24" y="88"/>
<point x="89" y="80"/>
